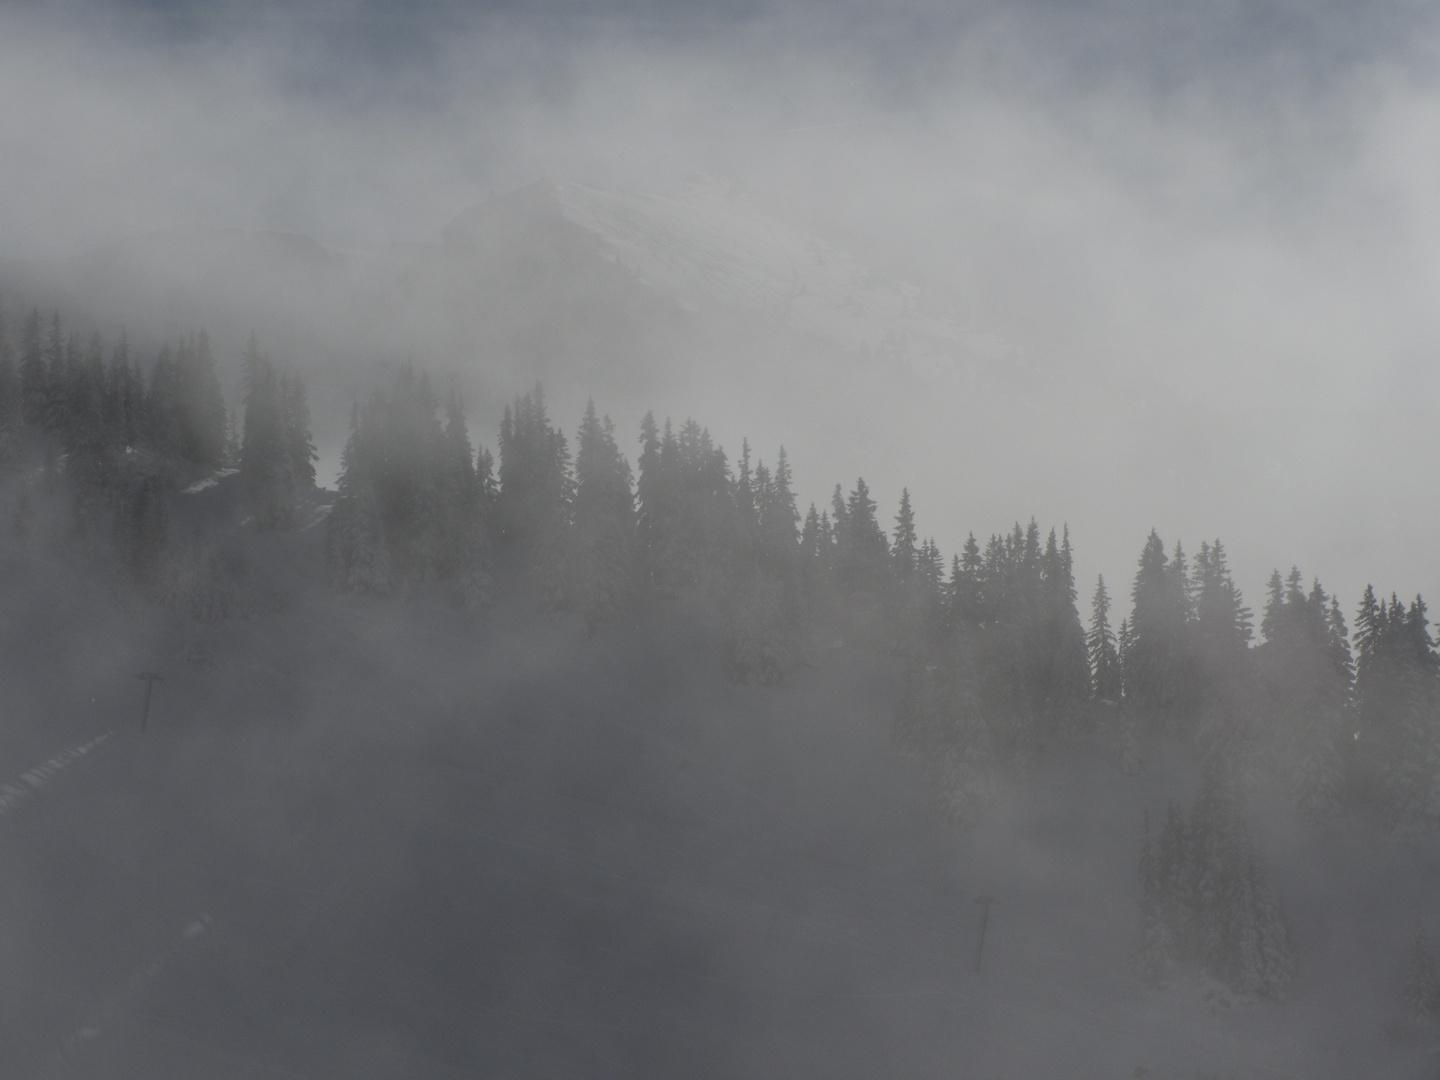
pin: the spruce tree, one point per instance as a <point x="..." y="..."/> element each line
<point x="1397" y="756"/>
<point x="296" y="426"/>
<point x="357" y="556"/>
<point x="56" y="393"/>
<point x="1103" y="653"/>
<point x="1159" y="676"/>
<point x="904" y="549"/>
<point x="1063" y="671"/>
<point x="10" y="403"/>
<point x="779" y="515"/>
<point x="1304" y="680"/>
<point x="1157" y="949"/>
<point x="600" y="579"/>
<point x="1422" y="989"/>
<point x="198" y="404"/>
<point x="536" y="487"/>
<point x="266" y="454"/>
<point x="1222" y="693"/>
<point x="34" y="387"/>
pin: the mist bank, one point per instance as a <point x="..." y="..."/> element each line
<point x="475" y="751"/>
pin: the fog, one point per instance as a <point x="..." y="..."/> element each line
<point x="1183" y="262"/>
<point x="1211" y="236"/>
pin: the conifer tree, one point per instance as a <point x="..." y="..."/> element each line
<point x="965" y="598"/>
<point x="904" y="550"/>
<point x="602" y="561"/>
<point x="1158" y="676"/>
<point x="1398" y="751"/>
<point x="33" y="383"/>
<point x="126" y="397"/>
<point x="9" y="397"/>
<point x="1220" y="637"/>
<point x="296" y="425"/>
<point x="56" y="380"/>
<point x="142" y="530"/>
<point x="266" y="453"/>
<point x="536" y="487"/>
<point x="1422" y="989"/>
<point x="861" y="547"/>
<point x="1063" y="665"/>
<point x="1103" y="653"/>
<point x="199" y="421"/>
<point x="1304" y="672"/>
<point x="652" y="499"/>
<point x="1157" y="948"/>
<point x="747" y="515"/>
<point x="779" y="516"/>
<point x="1217" y="910"/>
<point x="357" y="556"/>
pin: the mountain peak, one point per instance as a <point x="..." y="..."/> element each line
<point x="712" y="245"/>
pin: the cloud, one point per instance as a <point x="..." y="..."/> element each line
<point x="1211" y="231"/>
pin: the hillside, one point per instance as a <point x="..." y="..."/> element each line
<point x="366" y="839"/>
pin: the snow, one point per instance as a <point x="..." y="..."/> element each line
<point x="712" y="243"/>
<point x="208" y="482"/>
<point x="11" y="795"/>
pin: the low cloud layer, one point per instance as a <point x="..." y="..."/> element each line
<point x="1209" y="237"/>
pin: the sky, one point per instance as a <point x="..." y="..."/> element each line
<point x="1212" y="229"/>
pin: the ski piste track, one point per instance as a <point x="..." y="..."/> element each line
<point x="1084" y="1023"/>
<point x="15" y="792"/>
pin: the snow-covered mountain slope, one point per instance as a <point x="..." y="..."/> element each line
<point x="714" y="244"/>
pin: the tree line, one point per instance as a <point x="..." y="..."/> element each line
<point x="998" y="664"/>
<point x="120" y="437"/>
<point x="999" y="667"/>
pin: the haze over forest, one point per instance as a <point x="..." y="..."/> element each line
<point x="1207" y="240"/>
<point x="533" y="332"/>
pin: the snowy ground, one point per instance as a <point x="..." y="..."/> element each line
<point x="362" y="840"/>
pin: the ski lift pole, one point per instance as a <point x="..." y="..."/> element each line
<point x="150" y="678"/>
<point x="984" y="902"/>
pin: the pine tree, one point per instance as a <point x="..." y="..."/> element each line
<point x="1422" y="990"/>
<point x="142" y="530"/>
<point x="1064" y="665"/>
<point x="266" y="454"/>
<point x="779" y="515"/>
<point x="464" y="498"/>
<point x="34" y="386"/>
<point x="199" y="406"/>
<point x="1398" y="752"/>
<point x="762" y="602"/>
<point x="1205" y="898"/>
<point x="161" y="429"/>
<point x="9" y="397"/>
<point x="861" y="550"/>
<point x="602" y="561"/>
<point x="1304" y="672"/>
<point x="1157" y="948"/>
<point x="536" y="487"/>
<point x="1220" y="639"/>
<point x="1103" y="653"/>
<point x="1159" y="675"/>
<point x="56" y="380"/>
<point x="747" y="514"/>
<point x="357" y="556"/>
<point x="652" y="505"/>
<point x="965" y="597"/>
<point x="904" y="550"/>
<point x="295" y="423"/>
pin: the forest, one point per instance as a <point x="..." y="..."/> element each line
<point x="1000" y="667"/>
